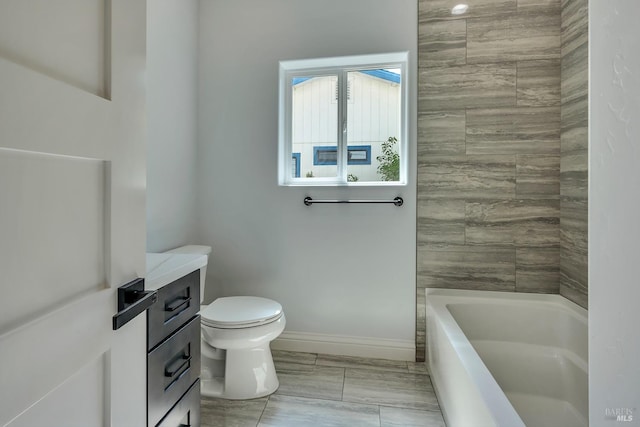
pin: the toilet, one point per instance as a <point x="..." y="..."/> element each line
<point x="236" y="333"/>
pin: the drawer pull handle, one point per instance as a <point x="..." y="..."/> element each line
<point x="176" y="366"/>
<point x="176" y="304"/>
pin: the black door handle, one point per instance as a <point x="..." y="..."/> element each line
<point x="132" y="300"/>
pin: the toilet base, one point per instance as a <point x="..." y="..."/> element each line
<point x="249" y="374"/>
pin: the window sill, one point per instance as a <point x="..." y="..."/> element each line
<point x="381" y="184"/>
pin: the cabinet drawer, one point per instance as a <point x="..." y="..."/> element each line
<point x="177" y="302"/>
<point x="173" y="367"/>
<point x="186" y="413"/>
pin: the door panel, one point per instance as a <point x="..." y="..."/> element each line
<point x="39" y="356"/>
<point x="90" y="381"/>
<point x="72" y="213"/>
<point x="70" y="191"/>
<point x="64" y="39"/>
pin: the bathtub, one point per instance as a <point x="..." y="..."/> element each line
<point x="508" y="359"/>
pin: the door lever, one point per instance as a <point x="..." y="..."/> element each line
<point x="132" y="300"/>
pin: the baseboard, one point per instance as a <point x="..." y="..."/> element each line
<point x="377" y="348"/>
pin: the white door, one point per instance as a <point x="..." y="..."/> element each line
<point x="72" y="221"/>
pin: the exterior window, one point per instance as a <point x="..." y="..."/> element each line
<point x="295" y="165"/>
<point x="342" y="121"/>
<point x="356" y="155"/>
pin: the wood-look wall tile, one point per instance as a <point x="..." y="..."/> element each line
<point x="575" y="24"/>
<point x="509" y="180"/>
<point x="570" y="287"/>
<point x="467" y="86"/>
<point x="574" y="161"/>
<point x="421" y="345"/>
<point x="539" y="226"/>
<point x="574" y="280"/>
<point x="574" y="147"/>
<point x="440" y="221"/>
<point x="525" y="130"/>
<point x="483" y="268"/>
<point x="490" y="223"/>
<point x="546" y="5"/>
<point x="574" y="174"/>
<point x="575" y="72"/>
<point x="579" y="296"/>
<point x="442" y="43"/>
<point x="441" y="9"/>
<point x="441" y="133"/>
<point x="573" y="139"/>
<point x="421" y="325"/>
<point x="521" y="223"/>
<point x="538" y="83"/>
<point x="575" y="122"/>
<point x="574" y="237"/>
<point x="517" y="37"/>
<point x="480" y="177"/>
<point x="538" y="270"/>
<point x="537" y="176"/>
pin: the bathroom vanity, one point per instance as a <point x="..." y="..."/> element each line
<point x="173" y="340"/>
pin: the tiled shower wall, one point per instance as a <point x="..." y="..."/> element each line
<point x="489" y="127"/>
<point x="574" y="152"/>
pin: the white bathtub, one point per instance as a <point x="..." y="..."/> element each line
<point x="508" y="359"/>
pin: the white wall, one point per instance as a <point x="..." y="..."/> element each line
<point x="171" y="122"/>
<point x="614" y="206"/>
<point x="338" y="270"/>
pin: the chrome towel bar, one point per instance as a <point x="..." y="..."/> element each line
<point x="308" y="201"/>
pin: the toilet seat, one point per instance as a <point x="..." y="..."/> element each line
<point x="240" y="312"/>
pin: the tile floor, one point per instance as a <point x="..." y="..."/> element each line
<point x="323" y="390"/>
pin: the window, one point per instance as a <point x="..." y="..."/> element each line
<point x="356" y="155"/>
<point x="295" y="165"/>
<point x="343" y="121"/>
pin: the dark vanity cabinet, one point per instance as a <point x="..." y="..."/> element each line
<point x="173" y="360"/>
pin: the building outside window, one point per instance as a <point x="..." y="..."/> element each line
<point x="343" y="118"/>
<point x="295" y="165"/>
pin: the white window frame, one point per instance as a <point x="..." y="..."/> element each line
<point x="339" y="66"/>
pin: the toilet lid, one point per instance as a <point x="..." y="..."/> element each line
<point x="237" y="312"/>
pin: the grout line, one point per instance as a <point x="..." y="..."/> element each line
<point x="437" y="411"/>
<point x="263" y="409"/>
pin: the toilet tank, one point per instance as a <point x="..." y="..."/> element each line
<point x="198" y="250"/>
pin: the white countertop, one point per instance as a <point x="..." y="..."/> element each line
<point x="165" y="268"/>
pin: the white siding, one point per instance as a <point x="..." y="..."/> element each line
<point x="373" y="115"/>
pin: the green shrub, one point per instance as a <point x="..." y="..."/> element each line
<point x="389" y="168"/>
